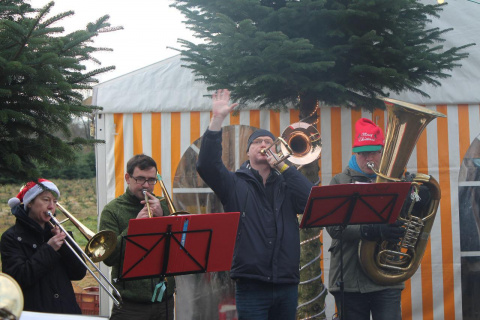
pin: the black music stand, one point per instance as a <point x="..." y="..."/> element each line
<point x="348" y="204"/>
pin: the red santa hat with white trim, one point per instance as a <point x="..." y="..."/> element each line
<point x="31" y="190"/>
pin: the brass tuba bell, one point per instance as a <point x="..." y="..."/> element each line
<point x="383" y="262"/>
<point x="11" y="298"/>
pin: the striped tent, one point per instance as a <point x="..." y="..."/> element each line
<point x="161" y="111"/>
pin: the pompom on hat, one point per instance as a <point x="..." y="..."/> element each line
<point x="259" y="133"/>
<point x="31" y="190"/>
<point x="368" y="136"/>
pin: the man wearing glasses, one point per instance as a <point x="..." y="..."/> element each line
<point x="145" y="298"/>
<point x="268" y="196"/>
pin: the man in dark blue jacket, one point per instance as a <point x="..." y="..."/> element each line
<point x="266" y="260"/>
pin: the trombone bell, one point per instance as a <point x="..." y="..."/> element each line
<point x="100" y="245"/>
<point x="300" y="144"/>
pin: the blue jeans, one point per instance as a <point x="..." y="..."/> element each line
<point x="257" y="300"/>
<point x="384" y="304"/>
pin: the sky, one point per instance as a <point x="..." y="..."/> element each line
<point x="150" y="28"/>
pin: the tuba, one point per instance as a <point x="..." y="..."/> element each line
<point x="11" y="298"/>
<point x="386" y="263"/>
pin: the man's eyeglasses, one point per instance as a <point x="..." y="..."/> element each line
<point x="268" y="142"/>
<point x="141" y="180"/>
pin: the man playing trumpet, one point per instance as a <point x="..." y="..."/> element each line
<point x="144" y="298"/>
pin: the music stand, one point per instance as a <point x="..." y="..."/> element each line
<point x="349" y="204"/>
<point x="177" y="245"/>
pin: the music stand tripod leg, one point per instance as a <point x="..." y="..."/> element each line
<point x="353" y="202"/>
<point x="341" y="284"/>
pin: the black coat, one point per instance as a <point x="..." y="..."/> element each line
<point x="268" y="241"/>
<point x="43" y="274"/>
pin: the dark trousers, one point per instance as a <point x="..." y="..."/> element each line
<point x="258" y="300"/>
<point x="144" y="311"/>
<point x="383" y="305"/>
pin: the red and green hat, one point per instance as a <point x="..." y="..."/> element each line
<point x="368" y="136"/>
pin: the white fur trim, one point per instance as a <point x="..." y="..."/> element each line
<point x="12" y="202"/>
<point x="36" y="190"/>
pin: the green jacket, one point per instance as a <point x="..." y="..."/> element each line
<point x="116" y="216"/>
<point x="354" y="279"/>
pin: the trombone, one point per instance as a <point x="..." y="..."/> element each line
<point x="97" y="244"/>
<point x="171" y="208"/>
<point x="300" y="143"/>
<point x="100" y="245"/>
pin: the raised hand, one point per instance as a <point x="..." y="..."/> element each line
<point x="220" y="108"/>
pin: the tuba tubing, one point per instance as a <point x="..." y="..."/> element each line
<point x="381" y="263"/>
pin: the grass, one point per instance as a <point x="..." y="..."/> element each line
<point x="78" y="197"/>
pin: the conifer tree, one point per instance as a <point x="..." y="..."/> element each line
<point x="338" y="52"/>
<point x="42" y="76"/>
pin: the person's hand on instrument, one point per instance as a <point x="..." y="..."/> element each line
<point x="281" y="166"/>
<point x="154" y="204"/>
<point x="388" y="232"/>
<point x="155" y="207"/>
<point x="57" y="240"/>
<point x="56" y="230"/>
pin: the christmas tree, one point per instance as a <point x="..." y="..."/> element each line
<point x="42" y="77"/>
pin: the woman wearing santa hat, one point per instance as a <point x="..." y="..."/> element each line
<point x="33" y="253"/>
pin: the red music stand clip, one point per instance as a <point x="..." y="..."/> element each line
<point x="346" y="204"/>
<point x="176" y="245"/>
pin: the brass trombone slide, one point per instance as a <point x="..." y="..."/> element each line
<point x="117" y="299"/>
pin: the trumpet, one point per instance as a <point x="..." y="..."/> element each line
<point x="147" y="203"/>
<point x="94" y="241"/>
<point x="300" y="143"/>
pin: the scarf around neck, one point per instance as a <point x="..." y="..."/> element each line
<point x="354" y="165"/>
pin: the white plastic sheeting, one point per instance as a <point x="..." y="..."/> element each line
<point x="166" y="86"/>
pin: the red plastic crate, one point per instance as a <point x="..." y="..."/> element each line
<point x="88" y="300"/>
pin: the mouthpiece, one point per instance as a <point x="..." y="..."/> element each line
<point x="371" y="165"/>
